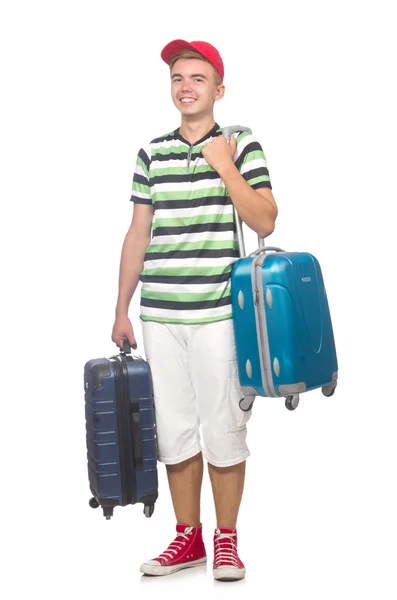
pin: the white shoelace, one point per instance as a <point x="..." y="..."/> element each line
<point x="176" y="545"/>
<point x="226" y="551"/>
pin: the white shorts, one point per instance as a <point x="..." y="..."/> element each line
<point x="195" y="380"/>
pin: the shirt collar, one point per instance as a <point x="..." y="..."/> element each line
<point x="215" y="131"/>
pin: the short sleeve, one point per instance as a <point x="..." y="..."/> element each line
<point x="141" y="183"/>
<point x="250" y="160"/>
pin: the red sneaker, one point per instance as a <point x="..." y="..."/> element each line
<point x="227" y="565"/>
<point x="187" y="550"/>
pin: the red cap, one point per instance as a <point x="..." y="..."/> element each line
<point x="204" y="48"/>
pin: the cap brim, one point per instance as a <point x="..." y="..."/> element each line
<point x="176" y="46"/>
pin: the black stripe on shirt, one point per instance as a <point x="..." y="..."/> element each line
<point x="175" y="156"/>
<point x="249" y="148"/>
<point x="193" y="203"/>
<point x="260" y="172"/>
<point x="195" y="228"/>
<point x="172" y="305"/>
<point x="200" y="253"/>
<point x="168" y="137"/>
<point x="138" y="200"/>
<point x="144" y="158"/>
<point x="186" y="178"/>
<point x="140" y="179"/>
<point x="261" y="184"/>
<point x="186" y="279"/>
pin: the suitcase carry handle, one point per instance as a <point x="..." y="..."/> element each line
<point x="267" y="249"/>
<point x="126" y="349"/>
<point x="227" y="132"/>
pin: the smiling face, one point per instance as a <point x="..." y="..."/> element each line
<point x="193" y="88"/>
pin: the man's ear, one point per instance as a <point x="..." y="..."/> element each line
<point x="220" y="92"/>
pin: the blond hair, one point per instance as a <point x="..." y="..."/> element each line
<point x="190" y="54"/>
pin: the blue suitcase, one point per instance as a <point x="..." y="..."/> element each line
<point x="283" y="331"/>
<point x="121" y="438"/>
<point x="282" y="325"/>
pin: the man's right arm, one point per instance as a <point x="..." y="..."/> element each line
<point x="133" y="252"/>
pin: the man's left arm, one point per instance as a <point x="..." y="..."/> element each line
<point x="256" y="207"/>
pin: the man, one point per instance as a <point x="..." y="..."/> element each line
<point x="188" y="180"/>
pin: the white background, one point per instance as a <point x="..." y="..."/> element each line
<point x="83" y="87"/>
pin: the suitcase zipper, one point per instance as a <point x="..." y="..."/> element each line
<point x="124" y="428"/>
<point x="135" y="421"/>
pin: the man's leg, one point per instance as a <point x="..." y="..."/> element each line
<point x="227" y="488"/>
<point x="187" y="549"/>
<point x="185" y="481"/>
<point x="216" y="384"/>
<point x="179" y="446"/>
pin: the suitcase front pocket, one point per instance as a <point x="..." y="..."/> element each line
<point x="236" y="419"/>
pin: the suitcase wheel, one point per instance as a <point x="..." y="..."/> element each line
<point x="93" y="503"/>
<point x="291" y="402"/>
<point x="246" y="403"/>
<point x="108" y="512"/>
<point x="329" y="390"/>
<point x="148" y="510"/>
<point x="329" y="394"/>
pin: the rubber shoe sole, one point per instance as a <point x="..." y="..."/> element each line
<point x="228" y="573"/>
<point x="149" y="568"/>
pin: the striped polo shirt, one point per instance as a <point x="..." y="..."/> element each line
<point x="188" y="264"/>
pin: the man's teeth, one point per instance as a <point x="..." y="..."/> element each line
<point x="186" y="100"/>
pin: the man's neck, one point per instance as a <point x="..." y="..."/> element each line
<point x="193" y="131"/>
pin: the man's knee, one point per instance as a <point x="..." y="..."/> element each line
<point x="185" y="464"/>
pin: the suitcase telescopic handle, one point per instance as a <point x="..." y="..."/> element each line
<point x="227" y="132"/>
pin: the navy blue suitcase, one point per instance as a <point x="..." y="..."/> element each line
<point x="121" y="432"/>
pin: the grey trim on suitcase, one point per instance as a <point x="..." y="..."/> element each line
<point x="258" y="328"/>
<point x="335" y="376"/>
<point x="292" y="388"/>
<point x="261" y="330"/>
<point x="249" y="391"/>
